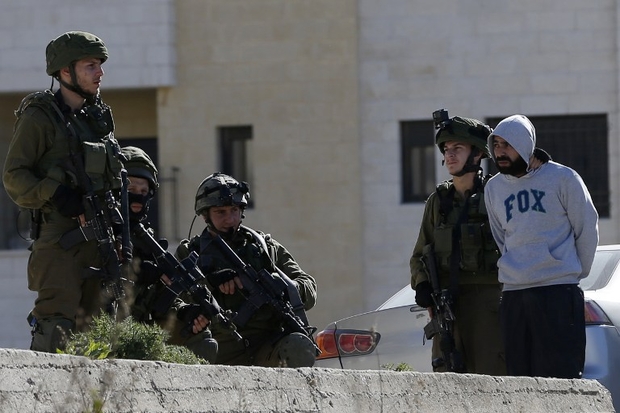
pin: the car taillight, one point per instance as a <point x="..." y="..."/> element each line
<point x="333" y="343"/>
<point x="326" y="341"/>
<point x="594" y="314"/>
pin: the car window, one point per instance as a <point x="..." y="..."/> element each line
<point x="603" y="267"/>
<point x="406" y="296"/>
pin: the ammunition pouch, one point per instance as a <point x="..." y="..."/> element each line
<point x="478" y="249"/>
<point x="101" y="164"/>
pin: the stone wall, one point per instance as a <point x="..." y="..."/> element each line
<point x="40" y="382"/>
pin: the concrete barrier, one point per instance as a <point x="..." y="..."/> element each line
<point x="40" y="382"/>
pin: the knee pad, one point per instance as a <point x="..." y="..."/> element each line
<point x="296" y="350"/>
<point x="51" y="334"/>
<point x="203" y="345"/>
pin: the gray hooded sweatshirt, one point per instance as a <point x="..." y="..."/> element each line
<point x="544" y="222"/>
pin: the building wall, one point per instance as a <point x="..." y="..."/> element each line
<point x="480" y="59"/>
<point x="289" y="70"/>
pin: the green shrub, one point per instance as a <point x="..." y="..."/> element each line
<point x="399" y="367"/>
<point x="128" y="339"/>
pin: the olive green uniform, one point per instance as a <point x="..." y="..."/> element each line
<point x="37" y="163"/>
<point x="265" y="340"/>
<point x="477" y="330"/>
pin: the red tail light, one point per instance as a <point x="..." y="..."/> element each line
<point x="594" y="314"/>
<point x="334" y="343"/>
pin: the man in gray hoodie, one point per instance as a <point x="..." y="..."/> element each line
<point x="546" y="227"/>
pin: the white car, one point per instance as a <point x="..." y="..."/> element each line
<point x="394" y="333"/>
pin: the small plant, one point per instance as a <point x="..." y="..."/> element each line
<point x="127" y="339"/>
<point x="399" y="367"/>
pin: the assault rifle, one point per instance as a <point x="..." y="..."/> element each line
<point x="98" y="221"/>
<point x="442" y="321"/>
<point x="185" y="276"/>
<point x="262" y="288"/>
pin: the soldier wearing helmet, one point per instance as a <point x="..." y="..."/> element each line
<point x="54" y="134"/>
<point x="221" y="201"/>
<point x="143" y="182"/>
<point x="148" y="280"/>
<point x="455" y="234"/>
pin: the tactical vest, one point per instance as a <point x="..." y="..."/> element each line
<point x="94" y="129"/>
<point x="478" y="251"/>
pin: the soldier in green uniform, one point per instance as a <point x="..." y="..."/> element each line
<point x="455" y="226"/>
<point x="57" y="135"/>
<point x="148" y="279"/>
<point x="221" y="201"/>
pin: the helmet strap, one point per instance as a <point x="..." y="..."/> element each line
<point x="75" y="87"/>
<point x="470" y="165"/>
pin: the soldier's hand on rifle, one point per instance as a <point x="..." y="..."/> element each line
<point x="424" y="294"/>
<point x="67" y="201"/>
<point x="191" y="315"/>
<point x="150" y="273"/>
<point x="200" y="323"/>
<point x="226" y="280"/>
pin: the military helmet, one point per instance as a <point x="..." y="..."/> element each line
<point x="139" y="164"/>
<point x="466" y="130"/>
<point x="219" y="189"/>
<point x="72" y="46"/>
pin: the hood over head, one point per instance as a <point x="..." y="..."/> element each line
<point x="519" y="132"/>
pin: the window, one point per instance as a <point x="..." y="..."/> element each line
<point x="579" y="142"/>
<point x="236" y="153"/>
<point x="417" y="140"/>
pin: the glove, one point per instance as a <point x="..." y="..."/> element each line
<point x="149" y="273"/>
<point x="424" y="294"/>
<point x="220" y="277"/>
<point x="67" y="201"/>
<point x="188" y="313"/>
<point x="542" y="155"/>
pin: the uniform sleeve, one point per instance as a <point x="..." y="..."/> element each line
<point x="425" y="237"/>
<point x="306" y="284"/>
<point x="583" y="218"/>
<point x="32" y="135"/>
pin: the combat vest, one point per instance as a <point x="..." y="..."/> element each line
<point x="89" y="132"/>
<point x="478" y="250"/>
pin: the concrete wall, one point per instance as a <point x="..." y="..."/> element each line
<point x="40" y="382"/>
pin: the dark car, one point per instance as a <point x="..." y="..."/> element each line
<point x="393" y="333"/>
